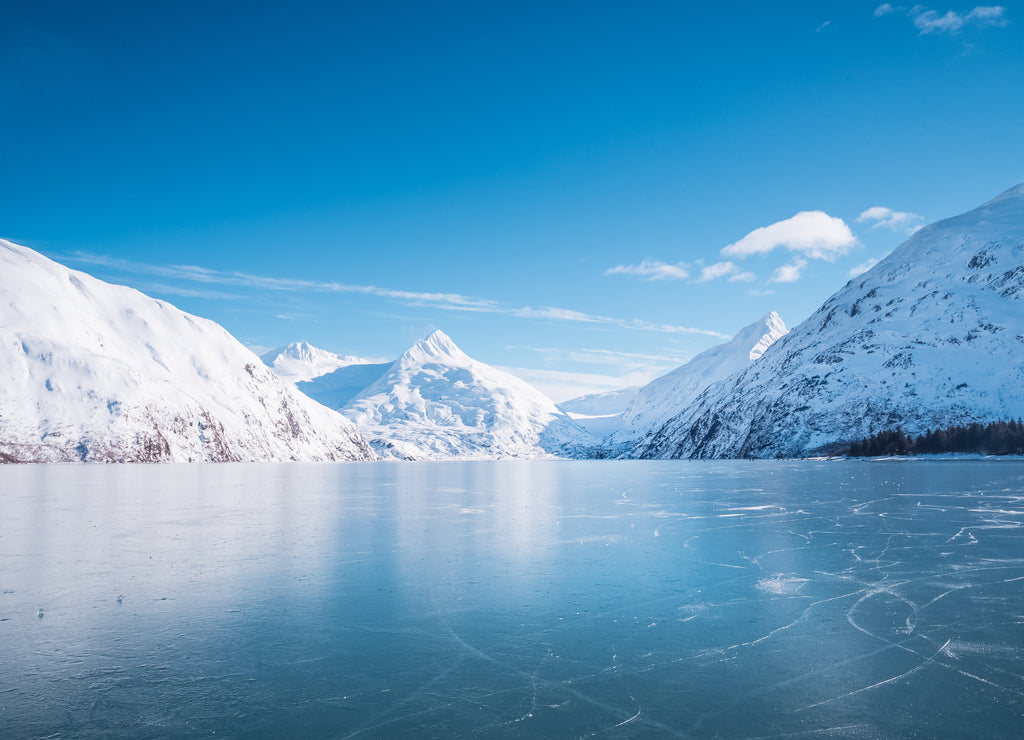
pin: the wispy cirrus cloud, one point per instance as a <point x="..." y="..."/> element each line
<point x="442" y="301"/>
<point x="880" y="216"/>
<point x="653" y="270"/>
<point x="811" y="234"/>
<point x="928" y="21"/>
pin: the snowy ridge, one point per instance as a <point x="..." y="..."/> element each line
<point x="672" y="395"/>
<point x="300" y="361"/>
<point x="931" y="336"/>
<point x="96" y="372"/>
<point x="435" y="402"/>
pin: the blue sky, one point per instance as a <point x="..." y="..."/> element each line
<point x="589" y="193"/>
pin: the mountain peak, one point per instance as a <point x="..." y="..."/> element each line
<point x="301" y="361"/>
<point x="437" y="346"/>
<point x="294" y="350"/>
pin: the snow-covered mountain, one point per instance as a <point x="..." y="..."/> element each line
<point x="97" y="372"/>
<point x="301" y="361"/>
<point x="932" y="335"/>
<point x="435" y="402"/>
<point x="671" y="395"/>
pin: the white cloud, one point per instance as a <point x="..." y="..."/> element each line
<point x="823" y="26"/>
<point x="652" y="270"/>
<point x="932" y="21"/>
<point x="862" y="267"/>
<point x="812" y="234"/>
<point x="717" y="270"/>
<point x="890" y="219"/>
<point x="788" y="273"/>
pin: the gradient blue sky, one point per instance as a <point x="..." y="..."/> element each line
<point x="357" y="174"/>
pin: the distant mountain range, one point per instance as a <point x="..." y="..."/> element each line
<point x="931" y="336"/>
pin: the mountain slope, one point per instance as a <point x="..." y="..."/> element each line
<point x="96" y="372"/>
<point x="671" y="395"/>
<point x="301" y="361"/>
<point x="932" y="335"/>
<point x="335" y="389"/>
<point x="435" y="402"/>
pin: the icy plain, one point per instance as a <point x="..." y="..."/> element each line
<point x="514" y="599"/>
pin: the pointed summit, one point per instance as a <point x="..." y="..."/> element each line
<point x="435" y="402"/>
<point x="299" y="362"/>
<point x="438" y="347"/>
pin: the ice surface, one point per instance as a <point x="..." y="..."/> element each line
<point x="514" y="599"/>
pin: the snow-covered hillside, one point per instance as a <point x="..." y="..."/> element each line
<point x="97" y="372"/>
<point x="932" y="335"/>
<point x="672" y="395"/>
<point x="435" y="402"/>
<point x="301" y="361"/>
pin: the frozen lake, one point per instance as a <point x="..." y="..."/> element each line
<point x="513" y="599"/>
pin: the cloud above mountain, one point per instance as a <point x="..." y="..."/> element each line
<point x="811" y="234"/>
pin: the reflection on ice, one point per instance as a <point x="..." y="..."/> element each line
<point x="815" y="599"/>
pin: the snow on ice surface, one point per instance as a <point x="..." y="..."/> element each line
<point x="930" y="336"/>
<point x="102" y="373"/>
<point x="436" y="402"/>
<point x="524" y="598"/>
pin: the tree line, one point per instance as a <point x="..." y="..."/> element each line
<point x="994" y="438"/>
